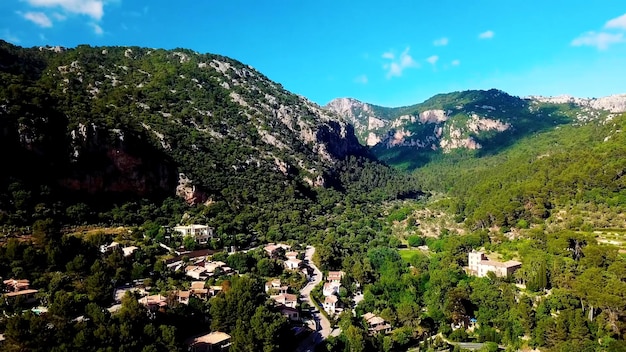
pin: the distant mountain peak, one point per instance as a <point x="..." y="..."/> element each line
<point x="471" y="120"/>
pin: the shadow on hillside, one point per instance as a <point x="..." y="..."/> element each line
<point x="405" y="158"/>
<point x="544" y="119"/>
<point x="524" y="123"/>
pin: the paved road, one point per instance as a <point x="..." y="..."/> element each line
<point x="322" y="325"/>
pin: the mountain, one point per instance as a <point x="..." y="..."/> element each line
<point x="506" y="160"/>
<point x="475" y="120"/>
<point x="101" y="125"/>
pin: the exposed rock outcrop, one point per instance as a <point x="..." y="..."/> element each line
<point x="613" y="103"/>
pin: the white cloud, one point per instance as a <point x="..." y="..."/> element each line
<point x="600" y="40"/>
<point x="432" y="59"/>
<point x="456" y="62"/>
<point x="441" y="42"/>
<point x="96" y="28"/>
<point x="362" y="79"/>
<point x="406" y="60"/>
<point x="59" y="17"/>
<point x="397" y="65"/>
<point x="486" y="35"/>
<point x="38" y="18"/>
<point x="91" y="8"/>
<point x="618" y="22"/>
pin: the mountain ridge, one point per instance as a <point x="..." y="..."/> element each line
<point x="474" y="120"/>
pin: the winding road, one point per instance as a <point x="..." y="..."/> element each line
<point x="322" y="325"/>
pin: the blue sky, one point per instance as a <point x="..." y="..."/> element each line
<point x="389" y="53"/>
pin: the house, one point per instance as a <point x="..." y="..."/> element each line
<point x="291" y="255"/>
<point x="335" y="276"/>
<point x="183" y="296"/>
<point x="293" y="264"/>
<point x="27" y="295"/>
<point x="479" y="265"/>
<point x="215" y="341"/>
<point x="128" y="251"/>
<point x="331" y="288"/>
<point x="276" y="286"/>
<point x="273" y="284"/>
<point x="19" y="288"/>
<point x="196" y="272"/>
<point x="109" y="248"/>
<point x="286" y="299"/>
<point x="154" y="302"/>
<point x="272" y="248"/>
<point x="210" y="267"/>
<point x="290" y="313"/>
<point x="197" y="285"/>
<point x="16" y="285"/>
<point x="120" y="292"/>
<point x="201" y="233"/>
<point x="376" y="324"/>
<point x="198" y="290"/>
<point x="330" y="304"/>
<point x="214" y="290"/>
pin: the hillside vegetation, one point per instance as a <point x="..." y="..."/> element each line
<point x="106" y="134"/>
<point x="571" y="168"/>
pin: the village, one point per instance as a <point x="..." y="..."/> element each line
<point x="206" y="273"/>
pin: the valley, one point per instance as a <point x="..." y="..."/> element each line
<point x="221" y="206"/>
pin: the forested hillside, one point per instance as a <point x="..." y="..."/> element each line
<point x="96" y="129"/>
<point x="552" y="176"/>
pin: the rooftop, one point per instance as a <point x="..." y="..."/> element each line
<point x="330" y="299"/>
<point x="197" y="285"/>
<point x="495" y="263"/>
<point x="368" y="316"/>
<point x="285" y="297"/>
<point x="212" y="338"/>
<point x="192" y="226"/>
<point x="19" y="293"/>
<point x="335" y="275"/>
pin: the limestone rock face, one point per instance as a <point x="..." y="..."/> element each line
<point x="614" y="103"/>
<point x="360" y="115"/>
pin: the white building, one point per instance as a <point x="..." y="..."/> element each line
<point x="330" y="304"/>
<point x="331" y="288"/>
<point x="335" y="276"/>
<point x="272" y="248"/>
<point x="201" y="233"/>
<point x="479" y="265"/>
<point x="293" y="264"/>
<point x="286" y="299"/>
